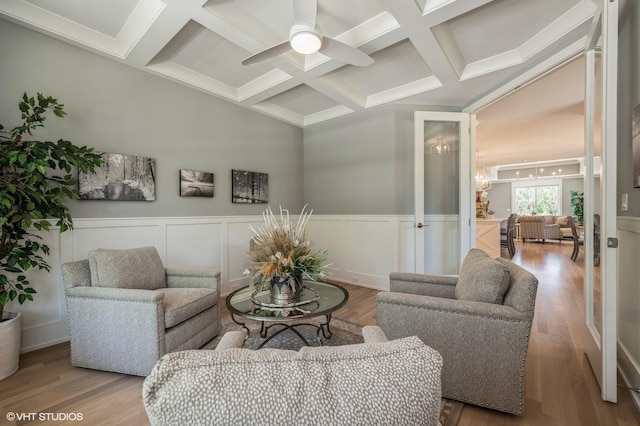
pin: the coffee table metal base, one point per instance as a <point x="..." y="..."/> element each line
<point x="322" y="328"/>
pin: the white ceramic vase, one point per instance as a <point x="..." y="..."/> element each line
<point x="9" y="343"/>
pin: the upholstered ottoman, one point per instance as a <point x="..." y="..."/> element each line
<point x="374" y="383"/>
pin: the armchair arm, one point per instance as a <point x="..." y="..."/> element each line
<point x="552" y="231"/>
<point x="185" y="278"/>
<point x="426" y="285"/>
<point x="116" y="329"/>
<point x="373" y="333"/>
<point x="231" y="339"/>
<point x="115" y="294"/>
<point x="452" y="307"/>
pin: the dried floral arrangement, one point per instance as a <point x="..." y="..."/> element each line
<point x="282" y="249"/>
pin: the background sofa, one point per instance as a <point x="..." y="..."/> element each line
<point x="126" y="310"/>
<point x="374" y="383"/>
<point x="480" y="322"/>
<point x="541" y="227"/>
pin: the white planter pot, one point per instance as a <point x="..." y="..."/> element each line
<point x="9" y="343"/>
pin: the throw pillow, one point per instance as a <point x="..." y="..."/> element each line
<point x="138" y="268"/>
<point x="563" y="220"/>
<point x="482" y="279"/>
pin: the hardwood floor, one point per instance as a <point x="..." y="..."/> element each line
<point x="560" y="386"/>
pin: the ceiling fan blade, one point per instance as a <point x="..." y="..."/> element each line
<point x="268" y="53"/>
<point x="343" y="52"/>
<point x="304" y="12"/>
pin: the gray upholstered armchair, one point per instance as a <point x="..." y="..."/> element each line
<point x="126" y="310"/>
<point x="376" y="382"/>
<point x="538" y="227"/>
<point x="480" y="323"/>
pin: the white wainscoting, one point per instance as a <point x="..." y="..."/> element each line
<point x="441" y="245"/>
<point x="363" y="250"/>
<point x="629" y="302"/>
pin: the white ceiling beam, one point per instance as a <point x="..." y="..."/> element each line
<point x="404" y="91"/>
<point x="280" y="113"/>
<point x="53" y="25"/>
<point x="526" y="77"/>
<point x="163" y="29"/>
<point x="442" y="56"/>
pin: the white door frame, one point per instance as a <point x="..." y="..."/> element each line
<point x="608" y="259"/>
<point x="602" y="348"/>
<point x="465" y="195"/>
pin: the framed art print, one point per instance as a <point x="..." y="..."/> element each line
<point x="249" y="187"/>
<point x="196" y="184"/>
<point x="121" y="177"/>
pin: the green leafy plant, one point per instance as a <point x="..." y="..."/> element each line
<point x="36" y="178"/>
<point x="576" y="202"/>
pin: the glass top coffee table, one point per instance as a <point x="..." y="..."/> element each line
<point x="319" y="299"/>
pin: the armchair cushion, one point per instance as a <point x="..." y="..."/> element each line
<point x="138" y="268"/>
<point x="180" y="304"/>
<point x="482" y="279"/>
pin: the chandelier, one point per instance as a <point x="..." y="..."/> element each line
<point x="440" y="148"/>
<point x="483" y="180"/>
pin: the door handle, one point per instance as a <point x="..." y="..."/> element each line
<point x="420" y="225"/>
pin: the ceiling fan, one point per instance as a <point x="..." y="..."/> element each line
<point x="305" y="37"/>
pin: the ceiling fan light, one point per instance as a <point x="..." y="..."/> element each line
<point x="305" y="42"/>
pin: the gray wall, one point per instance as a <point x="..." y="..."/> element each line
<point x="628" y="98"/>
<point x="363" y="164"/>
<point x="576" y="184"/>
<point x="360" y="165"/>
<point x="500" y="195"/>
<point x="117" y="108"/>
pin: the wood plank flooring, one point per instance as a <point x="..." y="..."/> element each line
<point x="560" y="386"/>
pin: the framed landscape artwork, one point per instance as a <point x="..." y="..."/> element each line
<point x="635" y="141"/>
<point x="196" y="184"/>
<point x="249" y="187"/>
<point x="121" y="177"/>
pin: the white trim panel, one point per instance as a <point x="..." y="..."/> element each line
<point x="363" y="250"/>
<point x="629" y="303"/>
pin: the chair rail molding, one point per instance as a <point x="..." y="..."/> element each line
<point x="363" y="250"/>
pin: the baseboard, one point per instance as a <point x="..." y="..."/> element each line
<point x="630" y="373"/>
<point x="43" y="345"/>
<point x="339" y="281"/>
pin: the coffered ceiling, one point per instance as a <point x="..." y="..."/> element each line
<point x="445" y="53"/>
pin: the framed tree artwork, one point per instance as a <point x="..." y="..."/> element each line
<point x="249" y="187"/>
<point x="121" y="177"/>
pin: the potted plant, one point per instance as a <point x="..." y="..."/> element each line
<point x="35" y="180"/>
<point x="576" y="202"/>
<point x="282" y="257"/>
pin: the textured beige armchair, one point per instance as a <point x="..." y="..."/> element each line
<point x="480" y="323"/>
<point x="126" y="310"/>
<point x="538" y="227"/>
<point x="374" y="383"/>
